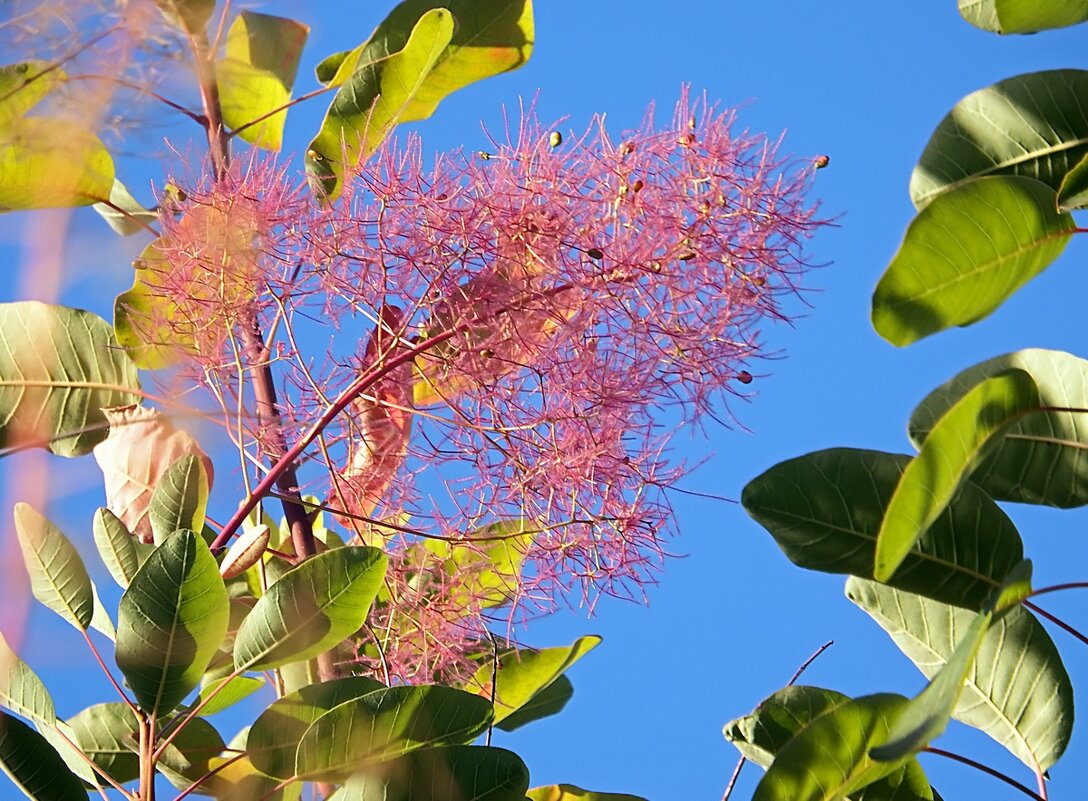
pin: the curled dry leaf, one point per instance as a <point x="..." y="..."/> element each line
<point x="380" y="427"/>
<point x="141" y="446"/>
<point x="245" y="551"/>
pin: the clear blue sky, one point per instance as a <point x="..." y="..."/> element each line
<point x="865" y="83"/>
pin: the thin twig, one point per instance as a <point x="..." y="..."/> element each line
<point x="1057" y="621"/>
<point x="988" y="770"/>
<point x="793" y="680"/>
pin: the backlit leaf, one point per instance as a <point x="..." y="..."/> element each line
<point x="22" y="85"/>
<point x="524" y="673"/>
<point x="568" y="792"/>
<point x="180" y="497"/>
<point x="955" y="445"/>
<point x="59" y="367"/>
<point x="116" y="546"/>
<point x="1022" y="16"/>
<point x="829" y="758"/>
<point x="35" y="767"/>
<point x="1018" y="690"/>
<point x="45" y="163"/>
<point x="965" y="253"/>
<point x="22" y="691"/>
<point x="257" y="73"/>
<point x="58" y="578"/>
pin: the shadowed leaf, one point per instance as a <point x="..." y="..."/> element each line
<point x="549" y="701"/>
<point x="171" y="619"/>
<point x="824" y="510"/>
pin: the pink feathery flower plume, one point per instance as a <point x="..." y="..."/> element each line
<point x="534" y="312"/>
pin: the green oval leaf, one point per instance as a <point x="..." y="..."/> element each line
<point x="257" y="73"/>
<point x="1033" y="125"/>
<point x="227" y="691"/>
<point x="1073" y="192"/>
<point x="451" y="773"/>
<point x="274" y="737"/>
<point x="824" y="510"/>
<point x="762" y="734"/>
<point x="373" y="100"/>
<point x="965" y="253"/>
<point x="415" y="58"/>
<point x="46" y="163"/>
<point x="926" y="716"/>
<point x="524" y="673"/>
<point x="59" y="367"/>
<point x="1022" y="16"/>
<point x="170" y="621"/>
<point x="311" y="608"/>
<point x="22" y="691"/>
<point x="1018" y="690"/>
<point x="33" y="764"/>
<point x="547" y="702"/>
<point x="22" y="85"/>
<point x="116" y="546"/>
<point x="957" y="443"/>
<point x="1041" y="458"/>
<point x="568" y="792"/>
<point x="386" y="724"/>
<point x="829" y="758"/>
<point x="180" y="499"/>
<point x="58" y="578"/>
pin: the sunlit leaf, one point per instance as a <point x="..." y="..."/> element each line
<point x="450" y="773"/>
<point x="180" y="497"/>
<point x="22" y="691"/>
<point x="1018" y="691"/>
<point x="1033" y="125"/>
<point x="33" y="764"/>
<point x="257" y="73"/>
<point x="524" y="673"/>
<point x="23" y="85"/>
<point x="145" y="458"/>
<point x="549" y="701"/>
<point x="373" y="100"/>
<point x="1022" y="16"/>
<point x="311" y="608"/>
<point x="58" y="578"/>
<point x="227" y="691"/>
<point x="485" y="567"/>
<point x="956" y="444"/>
<point x="829" y="758"/>
<point x="46" y="163"/>
<point x="59" y="367"/>
<point x="568" y="792"/>
<point x="171" y="619"/>
<point x="762" y="734"/>
<point x="148" y="326"/>
<point x="245" y="551"/>
<point x="386" y="724"/>
<point x="115" y="546"/>
<point x="273" y="740"/>
<point x="965" y="253"/>
<point x="101" y="620"/>
<point x="1043" y="457"/>
<point x="824" y="510"/>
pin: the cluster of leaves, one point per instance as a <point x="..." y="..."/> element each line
<point x="931" y="556"/>
<point x="530" y="310"/>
